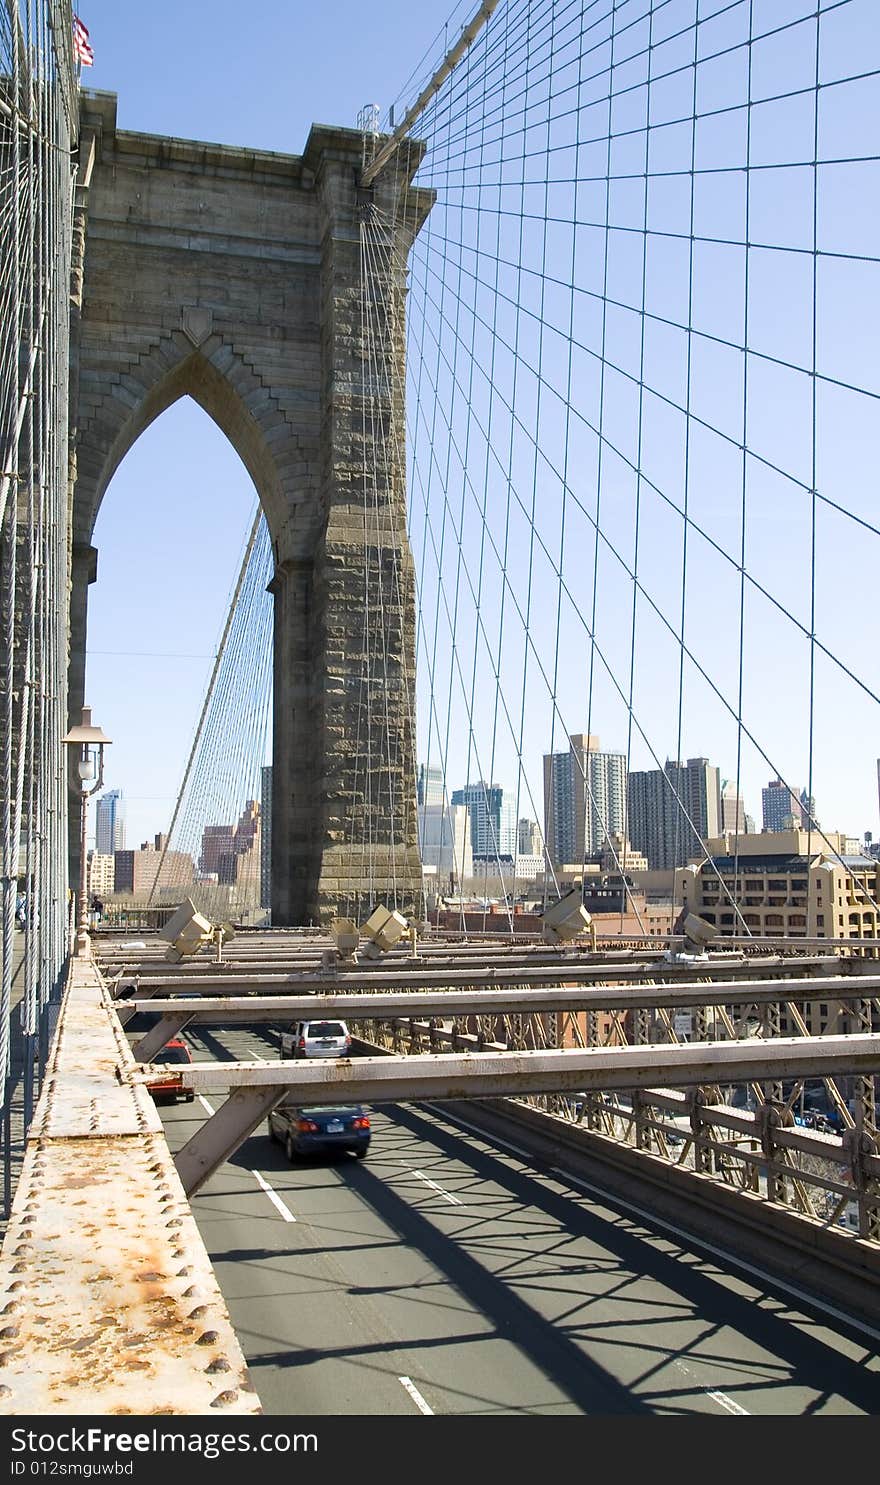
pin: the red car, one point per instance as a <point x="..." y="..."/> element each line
<point x="173" y="1051"/>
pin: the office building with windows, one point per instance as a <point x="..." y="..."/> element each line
<point x="101" y="880"/>
<point x="584" y="799"/>
<point x="492" y="814"/>
<point x="673" y="810"/>
<point x="110" y="823"/>
<point x="733" y="813"/>
<point x="782" y="808"/>
<point x="529" y="838"/>
<point x="777" y="884"/>
<point x="445" y="844"/>
<point x="429" y="785"/>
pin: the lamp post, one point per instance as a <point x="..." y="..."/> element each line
<point x="90" y="742"/>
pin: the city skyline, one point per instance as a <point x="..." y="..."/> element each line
<point x="429" y="790"/>
<point x="445" y="842"/>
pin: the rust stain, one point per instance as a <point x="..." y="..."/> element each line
<point x="92" y="1337"/>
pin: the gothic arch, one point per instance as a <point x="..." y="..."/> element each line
<point x="234" y="276"/>
<point x="116" y="408"/>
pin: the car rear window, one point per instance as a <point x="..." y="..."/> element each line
<point x="331" y="1108"/>
<point x="325" y="1028"/>
<point x="172" y="1054"/>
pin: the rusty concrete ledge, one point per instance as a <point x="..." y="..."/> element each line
<point x="108" y="1301"/>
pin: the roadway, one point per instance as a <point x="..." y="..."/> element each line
<point x="447" y="1275"/>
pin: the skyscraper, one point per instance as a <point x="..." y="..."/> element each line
<point x="529" y="838"/>
<point x="808" y="811"/>
<point x="429" y="788"/>
<point x="110" y="823"/>
<point x="733" y="814"/>
<point x="673" y="810"/>
<point x="781" y="806"/>
<point x="584" y="799"/>
<point x="492" y="813"/>
<point x="445" y="844"/>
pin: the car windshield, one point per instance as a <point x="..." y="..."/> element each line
<point x="172" y="1054"/>
<point x="325" y="1028"/>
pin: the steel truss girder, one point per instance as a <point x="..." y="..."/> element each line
<point x="153" y="1040"/>
<point x="494" y="1074"/>
<point x="390" y="1005"/>
<point x="485" y="977"/>
<point x="221" y="1135"/>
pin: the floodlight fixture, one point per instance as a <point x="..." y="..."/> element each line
<point x="345" y="935"/>
<point x="382" y="930"/>
<point x="186" y="931"/>
<point x="566" y="919"/>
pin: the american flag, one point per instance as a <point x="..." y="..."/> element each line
<point x="81" y="45"/>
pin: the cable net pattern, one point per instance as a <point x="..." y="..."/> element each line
<point x="215" y="851"/>
<point x="37" y="129"/>
<point x="642" y="412"/>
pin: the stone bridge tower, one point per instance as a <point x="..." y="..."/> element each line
<point x="235" y="277"/>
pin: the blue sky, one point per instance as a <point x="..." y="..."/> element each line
<point x="198" y="72"/>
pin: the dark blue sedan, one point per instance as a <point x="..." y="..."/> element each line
<point x="317" y="1130"/>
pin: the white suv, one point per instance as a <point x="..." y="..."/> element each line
<point x="316" y="1039"/>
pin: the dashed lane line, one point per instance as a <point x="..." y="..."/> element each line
<point x="416" y="1396"/>
<point x="456" y="1201"/>
<point x="275" y="1199"/>
<point x="721" y="1398"/>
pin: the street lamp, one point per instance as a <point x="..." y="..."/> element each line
<point x="90" y="741"/>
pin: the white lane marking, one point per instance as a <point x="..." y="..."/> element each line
<point x="257" y="1056"/>
<point x="720" y="1398"/>
<point x="209" y="1107"/>
<point x="456" y="1201"/>
<point x="700" y="1245"/>
<point x="727" y="1402"/>
<point x="275" y="1199"/>
<point x="416" y="1396"/>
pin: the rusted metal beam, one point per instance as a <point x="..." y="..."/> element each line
<point x="108" y="1297"/>
<point x="390" y="1005"/>
<point x="171" y="1024"/>
<point x="221" y="1135"/>
<point x="494" y="1074"/>
<point x="482" y="975"/>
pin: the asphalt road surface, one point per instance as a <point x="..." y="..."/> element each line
<point x="446" y="1275"/>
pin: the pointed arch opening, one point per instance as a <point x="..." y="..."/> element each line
<point x="182" y="682"/>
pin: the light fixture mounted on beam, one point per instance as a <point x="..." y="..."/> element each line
<point x="90" y="742"/>
<point x="566" y="919"/>
<point x="382" y="930"/>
